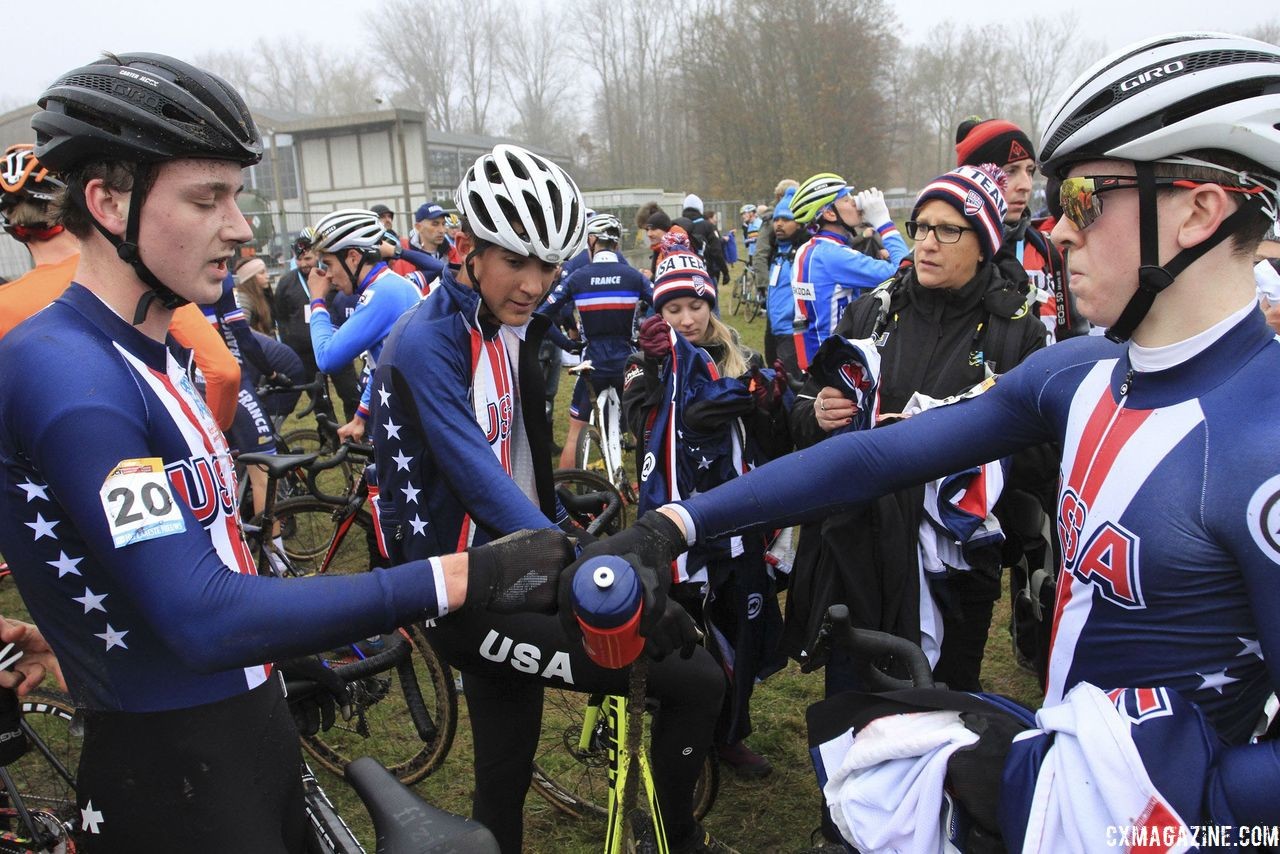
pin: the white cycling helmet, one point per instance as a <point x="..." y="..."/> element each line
<point x="524" y="203"/>
<point x="606" y="226"/>
<point x="1177" y="98"/>
<point x="1162" y="97"/>
<point x="350" y="228"/>
<point x="747" y="208"/>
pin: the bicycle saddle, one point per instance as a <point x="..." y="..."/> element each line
<point x="278" y="465"/>
<point x="404" y="823"/>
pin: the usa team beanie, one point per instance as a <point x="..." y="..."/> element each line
<point x="680" y="273"/>
<point x="977" y="193"/>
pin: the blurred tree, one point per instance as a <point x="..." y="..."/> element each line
<point x="296" y="75"/>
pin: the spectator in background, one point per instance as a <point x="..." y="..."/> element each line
<point x="751" y="222"/>
<point x="387" y="218"/>
<point x="763" y="256"/>
<point x="422" y="256"/>
<point x="1027" y="256"/>
<point x="719" y="267"/>
<point x="780" y="307"/>
<point x="292" y="315"/>
<point x="655" y="228"/>
<point x="253" y="295"/>
<point x="828" y="272"/>
<point x="703" y="235"/>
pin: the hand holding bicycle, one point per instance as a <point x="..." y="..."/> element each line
<point x="315" y="694"/>
<point x="519" y="572"/>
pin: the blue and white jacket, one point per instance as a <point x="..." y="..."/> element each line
<point x="445" y="396"/>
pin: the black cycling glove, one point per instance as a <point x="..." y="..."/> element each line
<point x="649" y="546"/>
<point x="974" y="773"/>
<point x="519" y="572"/>
<point x="315" y="692"/>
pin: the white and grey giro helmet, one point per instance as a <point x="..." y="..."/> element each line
<point x="522" y="202"/>
<point x="350" y="228"/>
<point x="1182" y="98"/>
<point x="1162" y="97"/>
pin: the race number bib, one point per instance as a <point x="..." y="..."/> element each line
<point x="138" y="503"/>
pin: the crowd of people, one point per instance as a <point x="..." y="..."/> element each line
<point x="1083" y="388"/>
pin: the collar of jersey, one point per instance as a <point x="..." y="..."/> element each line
<point x="90" y="305"/>
<point x="376" y="273"/>
<point x="831" y="236"/>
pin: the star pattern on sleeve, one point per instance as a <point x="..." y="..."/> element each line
<point x="90" y="818"/>
<point x="34" y="490"/>
<point x="384" y="395"/>
<point x="91" y="601"/>
<point x="393" y="429"/>
<point x="419" y="526"/>
<point x="402" y="461"/>
<point x="114" y="637"/>
<point x="41" y="527"/>
<point x="410" y="493"/>
<point x="65" y="564"/>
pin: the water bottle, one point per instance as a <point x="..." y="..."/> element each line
<point x="606" y="602"/>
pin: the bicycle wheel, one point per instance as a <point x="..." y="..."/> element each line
<point x="383" y="726"/>
<point x="579" y="483"/>
<point x="576" y="781"/>
<point x="739" y="293"/>
<point x="755" y="306"/>
<point x="587" y="454"/>
<point x="46" y="780"/>
<point x="309" y="528"/>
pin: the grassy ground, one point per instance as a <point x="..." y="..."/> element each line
<point x="772" y="815"/>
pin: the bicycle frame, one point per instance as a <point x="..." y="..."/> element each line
<point x="624" y="718"/>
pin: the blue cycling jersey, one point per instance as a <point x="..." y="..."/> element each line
<point x="382" y="297"/>
<point x="118" y="518"/>
<point x="1168" y="510"/>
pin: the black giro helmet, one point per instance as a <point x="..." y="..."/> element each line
<point x="142" y="107"/>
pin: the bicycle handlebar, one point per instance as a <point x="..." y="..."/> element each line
<point x="867" y="645"/>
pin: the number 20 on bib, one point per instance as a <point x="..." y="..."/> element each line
<point x="138" y="503"/>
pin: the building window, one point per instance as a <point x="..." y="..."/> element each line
<point x="260" y="178"/>
<point x="444" y="167"/>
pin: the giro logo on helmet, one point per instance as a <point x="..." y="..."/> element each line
<point x="1158" y="73"/>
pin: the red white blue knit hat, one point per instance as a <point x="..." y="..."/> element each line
<point x="977" y="193"/>
<point x="680" y="273"/>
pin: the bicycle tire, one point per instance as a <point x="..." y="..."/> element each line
<point x="307" y="526"/>
<point x="383" y="726"/>
<point x="582" y="482"/>
<point x="755" y="307"/>
<point x="52" y="717"/>
<point x="739" y="293"/>
<point x="577" y="782"/>
<point x="587" y="455"/>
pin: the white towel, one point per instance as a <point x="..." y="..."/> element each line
<point x="887" y="794"/>
<point x="1092" y="779"/>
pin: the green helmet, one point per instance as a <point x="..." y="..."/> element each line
<point x="815" y="194"/>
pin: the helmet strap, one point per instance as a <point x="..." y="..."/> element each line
<point x="354" y="276"/>
<point x="1154" y="277"/>
<point x="127" y="250"/>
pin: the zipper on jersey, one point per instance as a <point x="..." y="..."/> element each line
<point x="1125" y="386"/>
